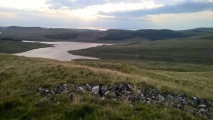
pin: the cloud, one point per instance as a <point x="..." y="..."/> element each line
<point x="182" y="21"/>
<point x="78" y="4"/>
<point x="184" y="7"/>
<point x="126" y="14"/>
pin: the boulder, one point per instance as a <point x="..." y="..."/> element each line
<point x="95" y="90"/>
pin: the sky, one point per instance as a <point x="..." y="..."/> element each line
<point x="108" y="14"/>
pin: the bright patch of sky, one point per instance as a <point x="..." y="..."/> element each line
<point x="128" y="14"/>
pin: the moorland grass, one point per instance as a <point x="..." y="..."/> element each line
<point x="194" y="49"/>
<point x="20" y="77"/>
<point x="9" y="46"/>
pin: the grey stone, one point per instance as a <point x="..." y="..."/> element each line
<point x="202" y="106"/>
<point x="202" y="111"/>
<point x="161" y="98"/>
<point x="192" y="112"/>
<point x="82" y="88"/>
<point x="52" y="92"/>
<point x="194" y="101"/>
<point x="110" y="94"/>
<point x="180" y="106"/>
<point x="71" y="95"/>
<point x="126" y="93"/>
<point x="88" y="87"/>
<point x="66" y="87"/>
<point x="104" y="88"/>
<point x="42" y="91"/>
<point x="133" y="98"/>
<point x="170" y="98"/>
<point x="95" y="90"/>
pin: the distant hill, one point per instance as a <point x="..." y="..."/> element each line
<point x="149" y="34"/>
<point x="87" y="35"/>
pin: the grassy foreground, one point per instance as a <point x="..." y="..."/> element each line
<point x="20" y="77"/>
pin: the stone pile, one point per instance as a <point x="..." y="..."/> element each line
<point x="124" y="91"/>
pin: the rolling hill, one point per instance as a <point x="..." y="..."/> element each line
<point x="194" y="49"/>
<point x="86" y="35"/>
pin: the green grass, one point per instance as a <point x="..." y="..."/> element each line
<point x="178" y="65"/>
<point x="21" y="76"/>
<point x="198" y="49"/>
<point x="8" y="46"/>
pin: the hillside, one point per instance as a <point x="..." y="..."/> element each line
<point x="15" y="46"/>
<point x="86" y="35"/>
<point x="20" y="77"/>
<point x="194" y="49"/>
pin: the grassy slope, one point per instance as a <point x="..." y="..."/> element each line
<point x="21" y="76"/>
<point x="175" y="75"/>
<point x="8" y="46"/>
<point x="187" y="49"/>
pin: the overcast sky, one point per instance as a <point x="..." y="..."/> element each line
<point x="108" y="14"/>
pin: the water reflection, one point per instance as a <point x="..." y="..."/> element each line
<point x="59" y="51"/>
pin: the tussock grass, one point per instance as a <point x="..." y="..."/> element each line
<point x="20" y="77"/>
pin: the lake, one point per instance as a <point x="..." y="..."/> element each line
<point x="59" y="51"/>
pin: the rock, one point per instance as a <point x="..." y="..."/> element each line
<point x="182" y="95"/>
<point x="202" y="111"/>
<point x="57" y="91"/>
<point x="88" y="87"/>
<point x="52" y="92"/>
<point x="202" y="106"/>
<point x="149" y="100"/>
<point x="110" y="94"/>
<point x="43" y="91"/>
<point x="71" y="95"/>
<point x="95" y="90"/>
<point x="126" y="93"/>
<point x="123" y="91"/>
<point x="194" y="101"/>
<point x="125" y="87"/>
<point x="103" y="89"/>
<point x="133" y="98"/>
<point x="160" y="98"/>
<point x="170" y="98"/>
<point x="139" y="91"/>
<point x="153" y="91"/>
<point x="66" y="87"/>
<point x="59" y="87"/>
<point x="82" y="88"/>
<point x="209" y="114"/>
<point x="180" y="106"/>
<point x="79" y="88"/>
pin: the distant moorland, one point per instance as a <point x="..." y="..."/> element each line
<point x="87" y="35"/>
